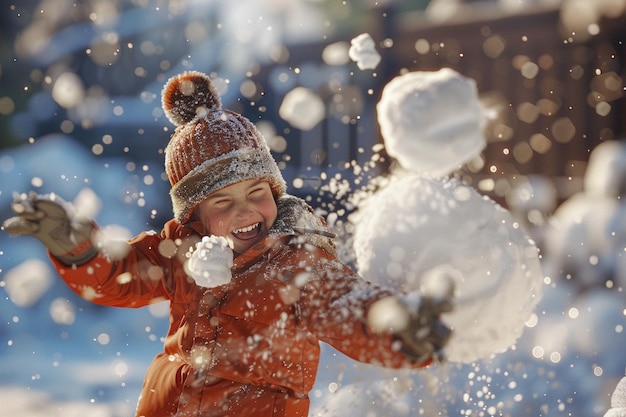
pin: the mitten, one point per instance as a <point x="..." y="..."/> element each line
<point x="425" y="335"/>
<point x="53" y="221"/>
<point x="209" y="264"/>
<point x="416" y="319"/>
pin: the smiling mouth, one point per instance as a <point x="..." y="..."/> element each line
<point x="248" y="232"/>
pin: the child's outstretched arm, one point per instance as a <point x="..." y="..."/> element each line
<point x="369" y="323"/>
<point x="134" y="278"/>
<point x="55" y="223"/>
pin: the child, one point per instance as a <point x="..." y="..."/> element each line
<point x="247" y="345"/>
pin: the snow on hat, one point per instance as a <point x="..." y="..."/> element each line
<point x="211" y="147"/>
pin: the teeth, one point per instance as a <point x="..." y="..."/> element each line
<point x="246" y="229"/>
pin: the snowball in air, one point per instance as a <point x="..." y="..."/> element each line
<point x="363" y="52"/>
<point x="442" y="225"/>
<point x="302" y="108"/>
<point x="112" y="241"/>
<point x="432" y="121"/>
<point x="28" y="282"/>
<point x="68" y="90"/>
<point x="209" y="264"/>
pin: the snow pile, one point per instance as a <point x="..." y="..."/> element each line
<point x="576" y="239"/>
<point x="618" y="401"/>
<point x="209" y="264"/>
<point x="19" y="402"/>
<point x="585" y="238"/>
<point x="441" y="225"/>
<point x="432" y="121"/>
<point x="363" y="52"/>
<point x="533" y="193"/>
<point x="368" y="398"/>
<point x="532" y="200"/>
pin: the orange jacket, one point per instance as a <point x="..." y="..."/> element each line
<point x="248" y="348"/>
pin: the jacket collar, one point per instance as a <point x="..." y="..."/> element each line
<point x="254" y="253"/>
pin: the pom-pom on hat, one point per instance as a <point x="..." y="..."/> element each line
<point x="211" y="147"/>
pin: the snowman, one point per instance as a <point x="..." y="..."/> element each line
<point x="422" y="224"/>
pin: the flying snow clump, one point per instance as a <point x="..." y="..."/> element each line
<point x="432" y="121"/>
<point x="363" y="52"/>
<point x="28" y="282"/>
<point x="302" y="108"/>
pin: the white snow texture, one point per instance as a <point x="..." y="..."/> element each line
<point x="442" y="224"/>
<point x="618" y="401"/>
<point x="209" y="264"/>
<point x="363" y="52"/>
<point x="432" y="121"/>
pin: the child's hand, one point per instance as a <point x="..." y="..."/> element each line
<point x="425" y="335"/>
<point x="209" y="264"/>
<point x="55" y="223"/>
<point x="416" y="319"/>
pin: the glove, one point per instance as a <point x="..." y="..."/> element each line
<point x="416" y="319"/>
<point x="53" y="221"/>
<point x="209" y="264"/>
<point x="425" y="335"/>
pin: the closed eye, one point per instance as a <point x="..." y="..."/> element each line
<point x="257" y="191"/>
<point x="222" y="202"/>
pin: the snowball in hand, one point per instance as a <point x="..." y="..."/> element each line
<point x="441" y="227"/>
<point x="363" y="52"/>
<point x="432" y="121"/>
<point x="209" y="264"/>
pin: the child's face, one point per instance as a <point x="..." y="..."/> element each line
<point x="242" y="212"/>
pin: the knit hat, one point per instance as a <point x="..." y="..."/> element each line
<point x="211" y="148"/>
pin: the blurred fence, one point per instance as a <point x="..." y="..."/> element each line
<point x="558" y="95"/>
